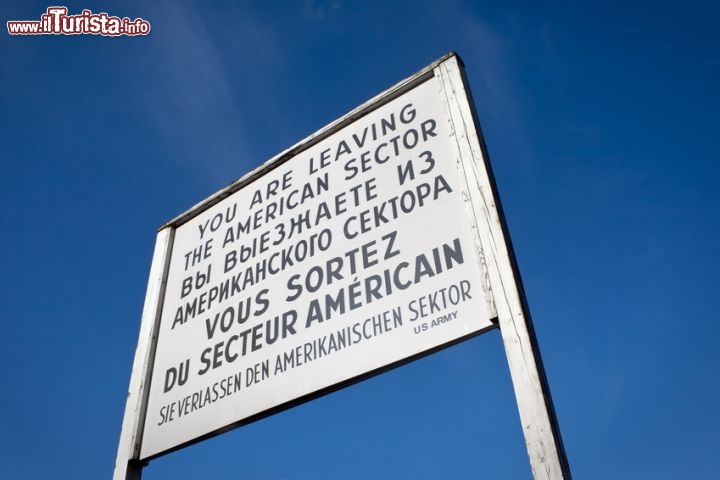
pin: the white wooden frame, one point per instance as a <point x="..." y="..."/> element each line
<point x="542" y="434"/>
<point x="126" y="465"/>
<point x="502" y="283"/>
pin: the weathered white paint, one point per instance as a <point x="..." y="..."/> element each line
<point x="416" y="232"/>
<point x="126" y="466"/>
<point x="542" y="438"/>
<point x="501" y="282"/>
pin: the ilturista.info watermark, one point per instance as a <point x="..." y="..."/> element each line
<point x="56" y="21"/>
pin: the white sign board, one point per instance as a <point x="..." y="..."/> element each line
<point x="353" y="255"/>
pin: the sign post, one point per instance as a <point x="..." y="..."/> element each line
<point x="127" y="466"/>
<point x="542" y="434"/>
<point x="373" y="242"/>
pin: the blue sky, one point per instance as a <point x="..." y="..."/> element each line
<point x="601" y="121"/>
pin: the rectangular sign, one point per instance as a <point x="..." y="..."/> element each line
<point x="356" y="253"/>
